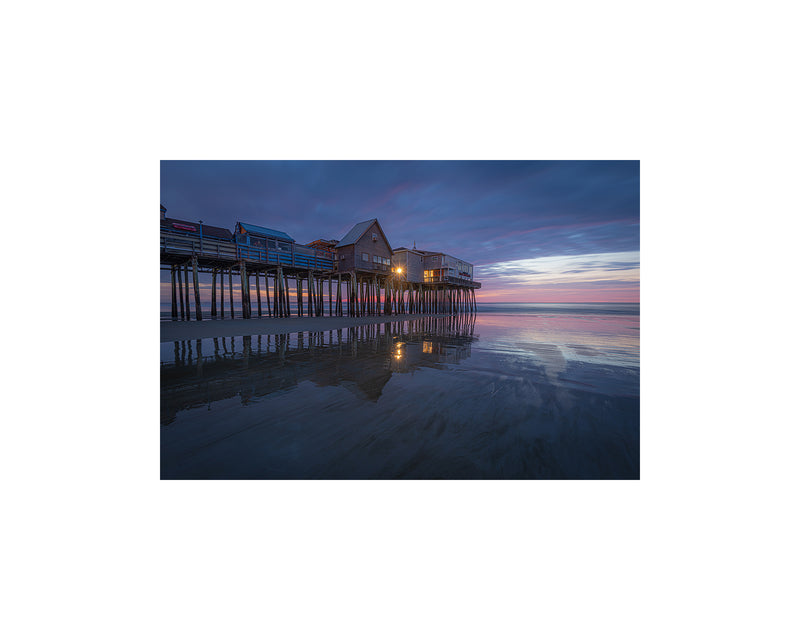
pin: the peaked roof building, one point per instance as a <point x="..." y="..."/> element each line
<point x="357" y="232"/>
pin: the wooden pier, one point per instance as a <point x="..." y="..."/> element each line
<point x="319" y="289"/>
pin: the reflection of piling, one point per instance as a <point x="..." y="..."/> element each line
<point x="284" y="338"/>
<point x="199" y="346"/>
<point x="246" y="345"/>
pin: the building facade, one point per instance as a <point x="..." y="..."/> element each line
<point x="442" y="267"/>
<point x="364" y="248"/>
<point x="410" y="262"/>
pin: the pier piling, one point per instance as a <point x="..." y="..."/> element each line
<point x="198" y="312"/>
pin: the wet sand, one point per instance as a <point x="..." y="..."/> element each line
<point x="192" y="329"/>
<point x="487" y="396"/>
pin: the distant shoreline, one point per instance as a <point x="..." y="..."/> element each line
<point x="192" y="329"/>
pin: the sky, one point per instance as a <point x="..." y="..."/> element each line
<point x="536" y="231"/>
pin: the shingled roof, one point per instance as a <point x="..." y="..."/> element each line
<point x="355" y="234"/>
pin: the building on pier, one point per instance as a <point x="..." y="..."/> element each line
<point x="432" y="267"/>
<point x="257" y="240"/>
<point x="364" y="249"/>
<point x="410" y="262"/>
<point x="444" y="268"/>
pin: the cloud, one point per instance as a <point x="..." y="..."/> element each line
<point x="616" y="267"/>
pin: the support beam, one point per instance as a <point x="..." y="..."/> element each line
<point x="275" y="289"/>
<point x="198" y="312"/>
<point x="174" y="293"/>
<point x="180" y="291"/>
<point x="286" y="293"/>
<point x="299" y="283"/>
<point x="245" y="290"/>
<point x="222" y="291"/>
<point x="258" y="294"/>
<point x="230" y="288"/>
<point x="311" y="306"/>
<point x="186" y="288"/>
<point x="214" y="292"/>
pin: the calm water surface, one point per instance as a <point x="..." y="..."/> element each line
<point x="523" y="392"/>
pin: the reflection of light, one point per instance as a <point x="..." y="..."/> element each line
<point x="397" y="356"/>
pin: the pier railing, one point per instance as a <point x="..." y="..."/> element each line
<point x="189" y="245"/>
<point x="462" y="282"/>
<point x="301" y="257"/>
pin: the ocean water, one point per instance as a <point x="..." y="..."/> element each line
<point x="513" y="391"/>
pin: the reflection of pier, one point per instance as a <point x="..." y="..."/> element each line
<point x="362" y="359"/>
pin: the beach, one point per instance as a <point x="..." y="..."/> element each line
<point x="219" y="327"/>
<point x="516" y="393"/>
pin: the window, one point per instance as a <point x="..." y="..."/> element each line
<point x="271" y="244"/>
<point x="365" y="257"/>
<point x="377" y="259"/>
<point x="387" y="261"/>
<point x="283" y="246"/>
